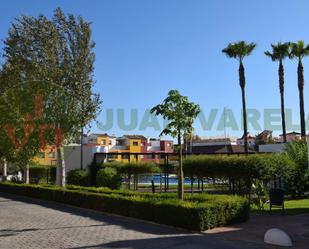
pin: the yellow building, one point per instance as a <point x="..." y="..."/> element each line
<point x="47" y="157"/>
<point x="132" y="144"/>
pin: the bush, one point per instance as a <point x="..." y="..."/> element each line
<point x="263" y="167"/>
<point x="42" y="173"/>
<point x="78" y="177"/>
<point x="297" y="184"/>
<point x="123" y="168"/>
<point x="197" y="212"/>
<point x="38" y="173"/>
<point x="108" y="177"/>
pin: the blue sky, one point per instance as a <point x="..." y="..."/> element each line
<point x="144" y="48"/>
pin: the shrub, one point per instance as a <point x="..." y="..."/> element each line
<point x="262" y="167"/>
<point x="297" y="184"/>
<point x="42" y="173"/>
<point x="78" y="177"/>
<point x="37" y="173"/>
<point x="123" y="168"/>
<point x="108" y="177"/>
<point x="197" y="212"/>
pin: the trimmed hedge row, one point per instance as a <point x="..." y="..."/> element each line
<point x="264" y="166"/>
<point x="124" y="168"/>
<point x="197" y="213"/>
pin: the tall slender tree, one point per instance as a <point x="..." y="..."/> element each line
<point x="298" y="51"/>
<point x="57" y="51"/>
<point x="180" y="113"/>
<point x="239" y="51"/>
<point x="279" y="52"/>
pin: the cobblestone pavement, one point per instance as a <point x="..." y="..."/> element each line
<point x="29" y="223"/>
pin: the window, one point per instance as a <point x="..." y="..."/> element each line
<point x="51" y="154"/>
<point x="110" y="142"/>
<point x="135" y="143"/>
<point x="124" y="156"/>
<point x="103" y="142"/>
<point x="41" y="155"/>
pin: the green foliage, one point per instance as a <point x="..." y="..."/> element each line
<point x="124" y="168"/>
<point x="37" y="173"/>
<point x="196" y="212"/>
<point x="239" y="50"/>
<point x="42" y="173"/>
<point x="279" y="51"/>
<point x="78" y="177"/>
<point x="259" y="191"/>
<point x="108" y="177"/>
<point x="299" y="50"/>
<point x="58" y="52"/>
<point x="298" y="182"/>
<point x="179" y="112"/>
<point x="135" y="168"/>
<point x="62" y="54"/>
<point x="262" y="167"/>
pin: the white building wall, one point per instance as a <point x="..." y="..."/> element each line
<point x="274" y="148"/>
<point x="72" y="156"/>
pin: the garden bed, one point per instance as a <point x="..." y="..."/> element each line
<point x="197" y="212"/>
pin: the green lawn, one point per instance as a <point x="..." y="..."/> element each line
<point x="291" y="207"/>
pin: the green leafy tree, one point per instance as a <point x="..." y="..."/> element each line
<point x="180" y="113"/>
<point x="59" y="52"/>
<point x="278" y="53"/>
<point x="298" y="51"/>
<point x="239" y="51"/>
<point x="24" y="121"/>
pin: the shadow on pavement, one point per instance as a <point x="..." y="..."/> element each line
<point x="110" y="219"/>
<point x="173" y="242"/>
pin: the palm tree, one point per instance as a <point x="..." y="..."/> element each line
<point x="298" y="51"/>
<point x="279" y="52"/>
<point x="238" y="51"/>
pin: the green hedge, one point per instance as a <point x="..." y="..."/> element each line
<point x="124" y="168"/>
<point x="262" y="166"/>
<point x="109" y="177"/>
<point x="78" y="177"/>
<point x="198" y="213"/>
<point x="40" y="173"/>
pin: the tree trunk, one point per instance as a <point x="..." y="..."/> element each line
<point x="301" y="82"/>
<point x="129" y="181"/>
<point x="61" y="167"/>
<point x="81" y="148"/>
<point x="26" y="180"/>
<point x="242" y="82"/>
<point x="5" y="170"/>
<point x="180" y="173"/>
<point x="281" y="86"/>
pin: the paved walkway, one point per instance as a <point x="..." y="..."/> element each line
<point x="28" y="223"/>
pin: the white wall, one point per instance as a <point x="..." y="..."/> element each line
<point x="276" y="148"/>
<point x="72" y="156"/>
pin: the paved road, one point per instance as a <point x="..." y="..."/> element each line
<point x="28" y="223"/>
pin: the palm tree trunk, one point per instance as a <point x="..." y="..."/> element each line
<point x="180" y="173"/>
<point x="242" y="82"/>
<point x="281" y="86"/>
<point x="301" y="82"/>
